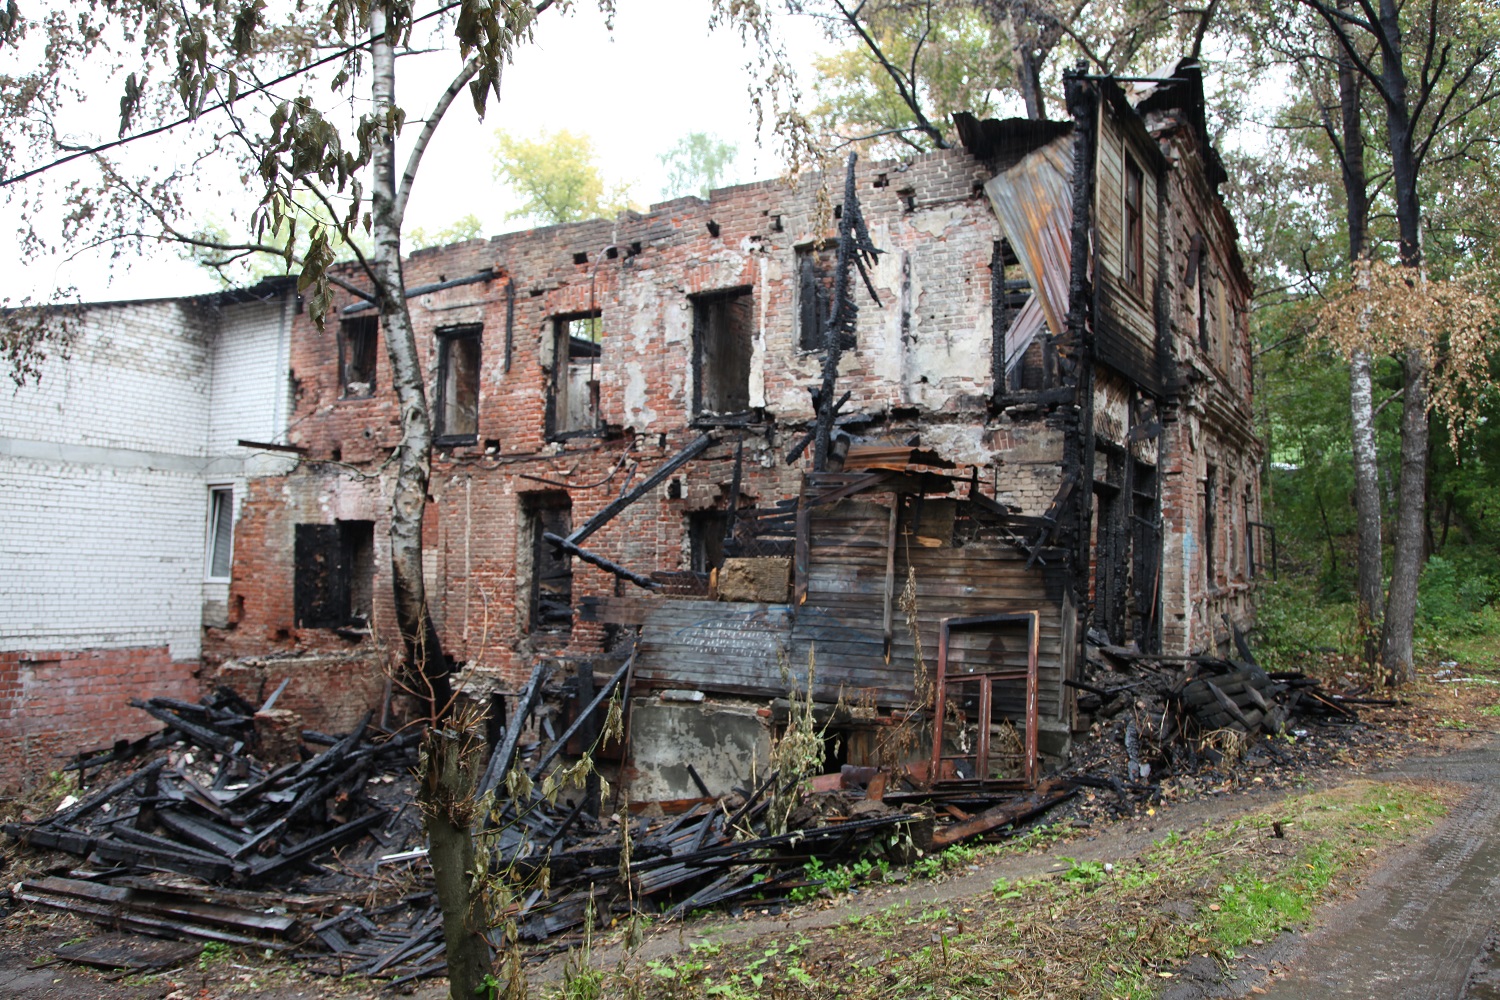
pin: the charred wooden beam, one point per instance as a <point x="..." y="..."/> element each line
<point x="594" y="559"/>
<point x="505" y="753"/>
<point x="856" y="251"/>
<point x="698" y="446"/>
<point x="583" y="717"/>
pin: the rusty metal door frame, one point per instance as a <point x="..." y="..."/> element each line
<point x="946" y="627"/>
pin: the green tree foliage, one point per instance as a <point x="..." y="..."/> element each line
<point x="557" y="178"/>
<point x="697" y="164"/>
<point x="953" y="59"/>
<point x="469" y="227"/>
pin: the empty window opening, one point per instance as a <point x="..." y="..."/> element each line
<point x="1145" y="570"/>
<point x="723" y="326"/>
<point x="551" y="585"/>
<point x="578" y="348"/>
<point x="815" y="270"/>
<point x="1249" y="507"/>
<point x="1017" y="362"/>
<point x="220" y="532"/>
<point x="358" y="337"/>
<point x="1205" y="342"/>
<point x="706" y="529"/>
<point x="1210" y="524"/>
<point x="1135" y="227"/>
<point x="1111" y="548"/>
<point x="458" y="384"/>
<point x="335" y="571"/>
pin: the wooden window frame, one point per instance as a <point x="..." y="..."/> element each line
<point x="447" y="337"/>
<point x="1133" y="215"/>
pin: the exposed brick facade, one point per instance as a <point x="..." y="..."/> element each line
<point x="921" y="368"/>
<point x="54" y="703"/>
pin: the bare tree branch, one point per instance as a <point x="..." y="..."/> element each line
<point x="904" y="87"/>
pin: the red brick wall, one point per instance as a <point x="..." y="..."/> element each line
<point x="54" y="704"/>
<point x="661" y="258"/>
<point x="328" y="694"/>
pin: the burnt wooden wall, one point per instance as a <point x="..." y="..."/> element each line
<point x="739" y="648"/>
<point x="1125" y="322"/>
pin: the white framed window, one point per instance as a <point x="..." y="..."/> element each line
<point x="220" y="554"/>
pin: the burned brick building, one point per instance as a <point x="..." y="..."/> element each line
<point x="1043" y="432"/>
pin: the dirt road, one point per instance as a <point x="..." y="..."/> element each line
<point x="1423" y="927"/>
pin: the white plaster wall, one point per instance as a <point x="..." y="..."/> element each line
<point x="137" y="379"/>
<point x="106" y="462"/>
<point x="250" y="388"/>
<point x="100" y="556"/>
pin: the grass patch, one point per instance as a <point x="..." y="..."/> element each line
<point x="1089" y="929"/>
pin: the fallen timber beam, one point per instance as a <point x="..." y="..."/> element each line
<point x="1003" y="815"/>
<point x="505" y="753"/>
<point x="583" y="717"/>
<point x="557" y="541"/>
<point x="202" y="735"/>
<point x="698" y="446"/>
<point x="102" y="796"/>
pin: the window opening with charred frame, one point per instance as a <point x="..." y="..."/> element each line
<point x="723" y="332"/>
<point x="1210" y="524"/>
<point x="1009" y="292"/>
<point x="333" y="585"/>
<point x="220" y="532"/>
<point x="1111" y="547"/>
<point x="1145" y="569"/>
<point x="551" y="583"/>
<point x="358" y="340"/>
<point x="1249" y="508"/>
<point x="458" y="384"/>
<point x="815" y="270"/>
<point x="1135" y="227"/>
<point x="573" y="392"/>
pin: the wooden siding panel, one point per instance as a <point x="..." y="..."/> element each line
<point x="740" y="648"/>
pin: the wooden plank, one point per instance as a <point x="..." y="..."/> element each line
<point x="505" y="753"/>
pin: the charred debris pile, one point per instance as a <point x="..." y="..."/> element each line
<point x="1155" y="716"/>
<point x="224" y="826"/>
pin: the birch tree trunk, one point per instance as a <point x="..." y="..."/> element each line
<point x="1361" y="393"/>
<point x="424" y="658"/>
<point x="451" y="764"/>
<point x="1369" y="558"/>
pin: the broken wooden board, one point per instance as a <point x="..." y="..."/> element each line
<point x="127" y="951"/>
<point x="1047" y="794"/>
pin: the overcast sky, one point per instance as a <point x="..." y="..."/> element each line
<point x="635" y="91"/>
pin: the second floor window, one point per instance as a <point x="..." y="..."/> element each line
<point x="815" y="269"/>
<point x="357" y="352"/>
<point x="1135" y="227"/>
<point x="578" y="348"/>
<point x="458" y="384"/>
<point x="723" y="331"/>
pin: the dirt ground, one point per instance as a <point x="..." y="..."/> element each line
<point x="1422" y="925"/>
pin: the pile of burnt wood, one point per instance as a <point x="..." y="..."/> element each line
<point x="1175" y="712"/>
<point x="194" y="833"/>
<point x="1207" y="693"/>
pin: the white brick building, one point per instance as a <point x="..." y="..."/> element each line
<point x="109" y="463"/>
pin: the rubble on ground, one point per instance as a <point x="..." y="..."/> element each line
<point x="232" y="825"/>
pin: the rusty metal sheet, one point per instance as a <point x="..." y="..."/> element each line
<point x="1034" y="202"/>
